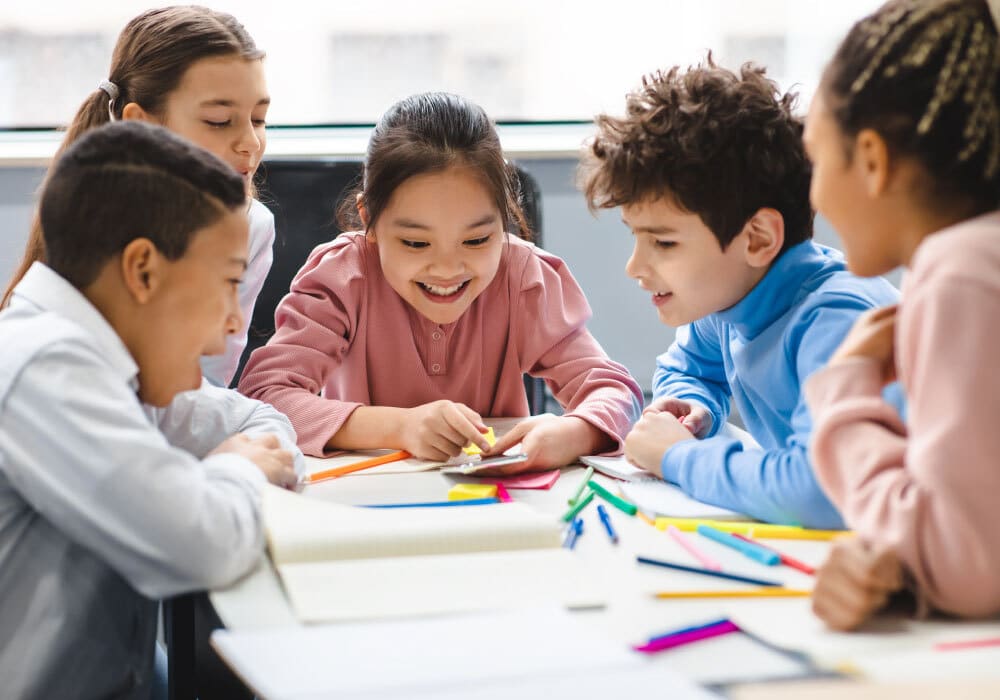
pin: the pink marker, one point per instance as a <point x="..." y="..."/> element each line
<point x="503" y="495"/>
<point x="687" y="637"/>
<point x="683" y="541"/>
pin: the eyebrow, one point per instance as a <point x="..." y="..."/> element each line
<point x="651" y="229"/>
<point x="232" y="103"/>
<point x="404" y="222"/>
<point x="242" y="262"/>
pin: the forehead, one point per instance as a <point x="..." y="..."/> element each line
<point x="224" y="78"/>
<point x="227" y="237"/>
<point x="661" y="210"/>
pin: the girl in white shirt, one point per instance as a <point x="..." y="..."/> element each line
<point x="198" y="73"/>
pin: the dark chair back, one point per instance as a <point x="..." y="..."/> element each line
<point x="304" y="197"/>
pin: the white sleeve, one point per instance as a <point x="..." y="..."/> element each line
<point x="77" y="446"/>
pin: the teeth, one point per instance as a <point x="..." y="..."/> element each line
<point x="441" y="291"/>
<point x="660" y="294"/>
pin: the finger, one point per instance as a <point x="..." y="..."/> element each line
<point x="466" y="423"/>
<point x="513" y="437"/>
<point x="269" y="440"/>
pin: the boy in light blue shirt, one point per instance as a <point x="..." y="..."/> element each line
<point x="709" y="169"/>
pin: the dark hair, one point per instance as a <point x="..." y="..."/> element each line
<point x="152" y="53"/>
<point x="924" y="76"/>
<point x="428" y="133"/>
<point x="128" y="180"/>
<point x="718" y="144"/>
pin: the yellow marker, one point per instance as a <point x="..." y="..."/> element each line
<point x="464" y="492"/>
<point x="775" y="592"/>
<point x="763" y="530"/>
<point x="473" y="448"/>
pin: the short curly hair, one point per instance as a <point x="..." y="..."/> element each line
<point x="718" y="144"/>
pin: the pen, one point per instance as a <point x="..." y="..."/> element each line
<point x="777" y="592"/>
<point x="583" y="484"/>
<point x="692" y="550"/>
<point x="747" y="549"/>
<point x="602" y="513"/>
<point x="681" y="638"/>
<point x="357" y="466"/>
<point x="619" y="503"/>
<point x="707" y="572"/>
<point x="575" y="530"/>
<point x="785" y="559"/>
<point x="580" y="505"/>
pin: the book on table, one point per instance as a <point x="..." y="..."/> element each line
<point x="341" y="562"/>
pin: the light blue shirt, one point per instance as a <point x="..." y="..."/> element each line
<point x="759" y="352"/>
<point x="107" y="504"/>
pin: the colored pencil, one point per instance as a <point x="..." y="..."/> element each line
<point x="777" y="592"/>
<point x="785" y="559"/>
<point x="707" y="572"/>
<point x="357" y="466"/>
<point x="692" y="550"/>
<point x="687" y="637"/>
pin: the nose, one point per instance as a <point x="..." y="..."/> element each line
<point x="447" y="263"/>
<point x="247" y="139"/>
<point x="635" y="266"/>
<point x="234" y="316"/>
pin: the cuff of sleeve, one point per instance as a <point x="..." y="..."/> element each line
<point x="619" y="441"/>
<point x="674" y="458"/>
<point x="856" y="377"/>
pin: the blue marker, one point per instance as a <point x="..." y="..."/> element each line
<point x="575" y="530"/>
<point x="602" y="512"/>
<point x="748" y="549"/>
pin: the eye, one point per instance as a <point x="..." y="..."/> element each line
<point x="476" y="242"/>
<point x="217" y="125"/>
<point x="665" y="244"/>
<point x="235" y="281"/>
<point x="259" y="122"/>
<point x="414" y="244"/>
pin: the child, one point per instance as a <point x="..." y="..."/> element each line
<point x="198" y="73"/>
<point x="118" y="485"/>
<point x="407" y="332"/>
<point x="904" y="133"/>
<point x="710" y="173"/>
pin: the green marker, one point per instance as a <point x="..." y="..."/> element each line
<point x="580" y="505"/>
<point x="579" y="489"/>
<point x="614" y="500"/>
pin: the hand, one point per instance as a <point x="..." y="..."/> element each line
<point x="267" y="453"/>
<point x="439" y="430"/>
<point x="548" y="441"/>
<point x="692" y="416"/>
<point x="872" y="336"/>
<point x="854" y="582"/>
<point x="652" y="436"/>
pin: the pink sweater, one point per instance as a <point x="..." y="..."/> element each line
<point x="345" y="339"/>
<point x="931" y="488"/>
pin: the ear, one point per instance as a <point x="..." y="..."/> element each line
<point x="872" y="161"/>
<point x="363" y="213"/>
<point x="765" y="233"/>
<point x="133" y="111"/>
<point x="142" y="268"/>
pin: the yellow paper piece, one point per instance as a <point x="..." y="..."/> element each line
<point x="473" y="448"/>
<point x="463" y="492"/>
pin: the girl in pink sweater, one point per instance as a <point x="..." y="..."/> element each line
<point x="904" y="135"/>
<point x="406" y="333"/>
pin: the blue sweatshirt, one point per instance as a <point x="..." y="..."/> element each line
<point x="760" y="352"/>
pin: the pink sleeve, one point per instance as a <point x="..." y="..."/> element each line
<point x="931" y="494"/>
<point x="551" y="331"/>
<point x="314" y="324"/>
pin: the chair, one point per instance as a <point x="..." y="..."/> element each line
<point x="304" y="197"/>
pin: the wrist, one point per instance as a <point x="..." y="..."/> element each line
<point x="588" y="437"/>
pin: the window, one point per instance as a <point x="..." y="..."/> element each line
<point x="523" y="60"/>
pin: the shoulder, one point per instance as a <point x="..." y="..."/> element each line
<point x="969" y="251"/>
<point x="832" y="285"/>
<point x="337" y="262"/>
<point x="532" y="266"/>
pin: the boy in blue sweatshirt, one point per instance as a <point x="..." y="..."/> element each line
<point x="709" y="169"/>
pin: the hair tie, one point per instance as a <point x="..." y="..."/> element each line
<point x="112" y="92"/>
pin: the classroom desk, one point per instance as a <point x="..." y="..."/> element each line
<point x="894" y="650"/>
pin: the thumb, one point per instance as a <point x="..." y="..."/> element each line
<point x="510" y="439"/>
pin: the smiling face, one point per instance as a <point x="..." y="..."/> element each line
<point x="195" y="306"/>
<point x="678" y="259"/>
<point x="440" y="238"/>
<point x="221" y="104"/>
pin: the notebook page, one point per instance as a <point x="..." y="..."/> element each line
<point x="307" y="529"/>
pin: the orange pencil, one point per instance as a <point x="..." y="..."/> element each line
<point x="357" y="466"/>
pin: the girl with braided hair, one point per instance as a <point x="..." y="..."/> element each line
<point x="904" y="135"/>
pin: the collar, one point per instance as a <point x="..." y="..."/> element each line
<point x="49" y="291"/>
<point x="780" y="288"/>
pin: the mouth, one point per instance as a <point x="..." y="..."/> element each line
<point x="661" y="297"/>
<point x="441" y="294"/>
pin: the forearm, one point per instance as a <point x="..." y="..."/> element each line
<point x="370" y="427"/>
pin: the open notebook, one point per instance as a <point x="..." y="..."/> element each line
<point x="341" y="562"/>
